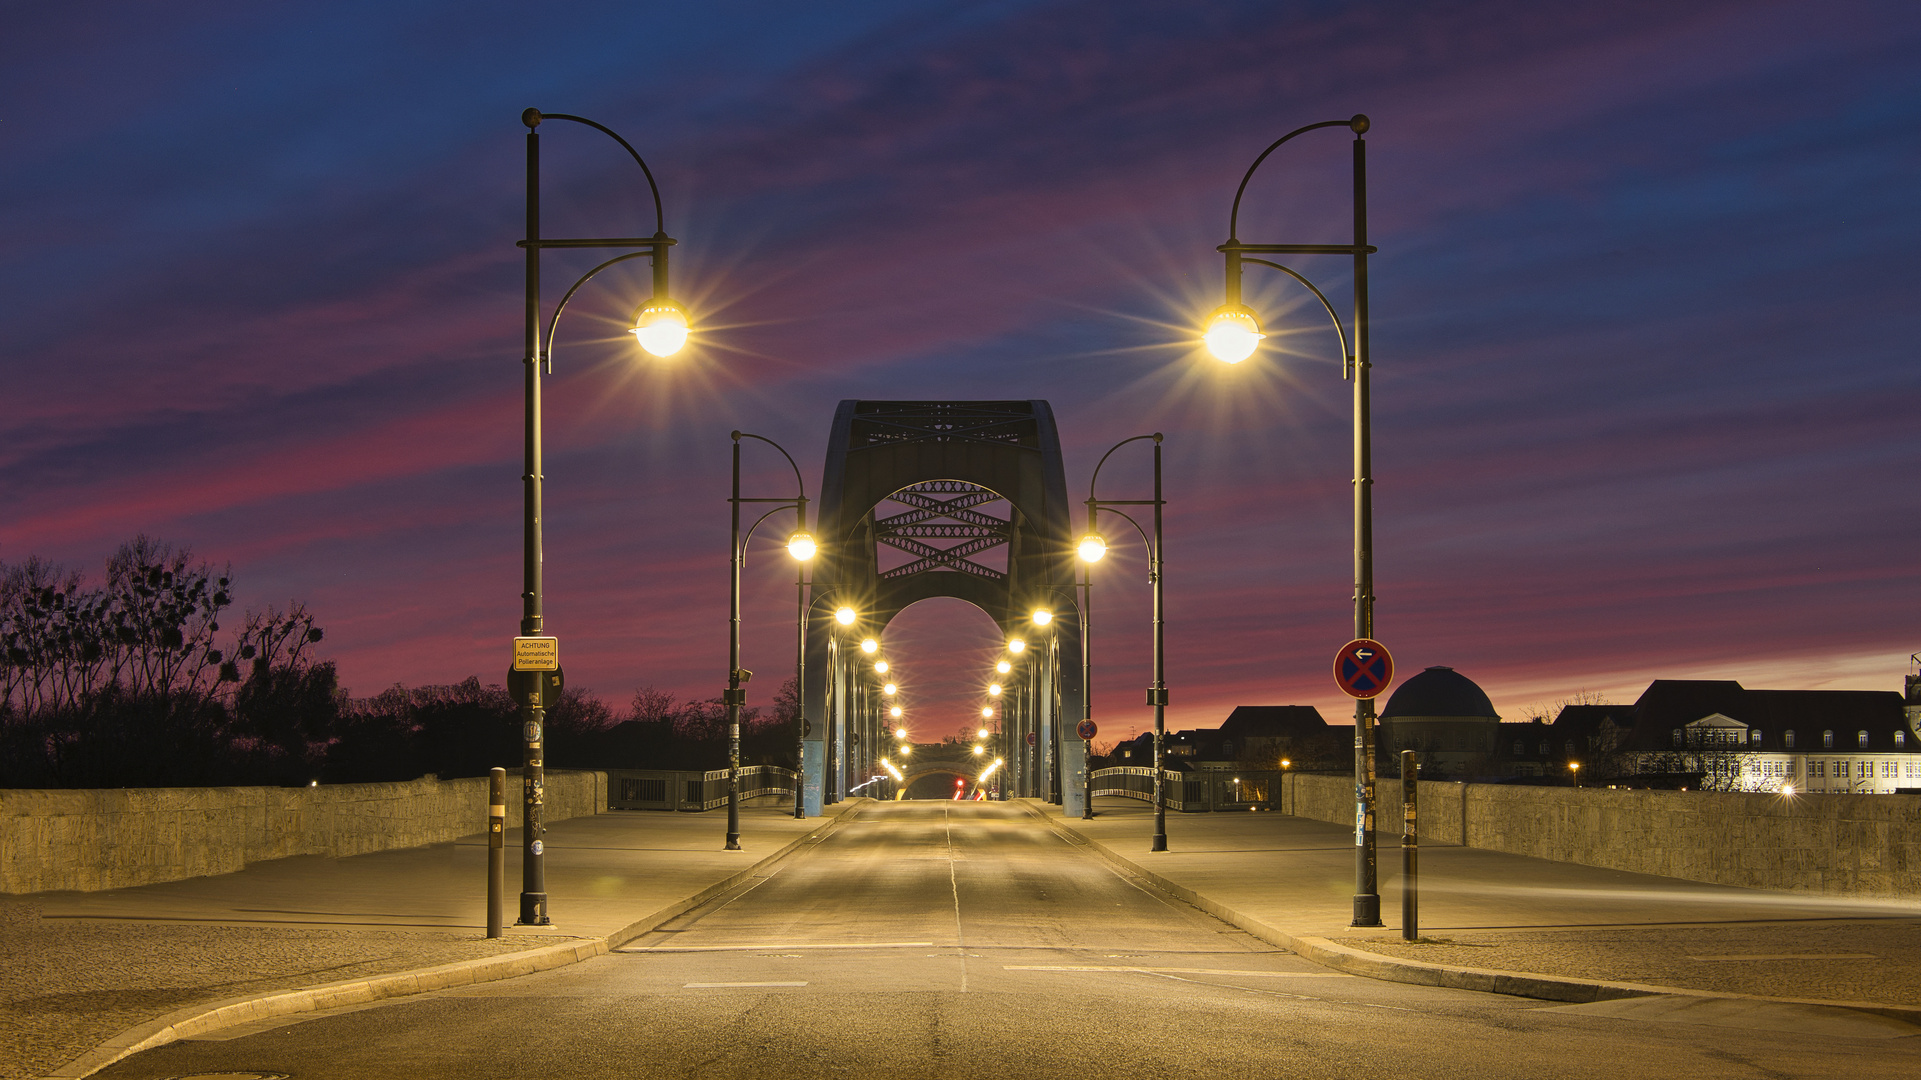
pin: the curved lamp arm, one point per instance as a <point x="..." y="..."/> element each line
<point x="1358" y="124"/>
<point x="742" y="553"/>
<point x="1347" y="353"/>
<point x="799" y="484"/>
<point x="553" y="324"/>
<point x="533" y="117"/>
<point x="1145" y="542"/>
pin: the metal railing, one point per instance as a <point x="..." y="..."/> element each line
<point x="1193" y="792"/>
<point x="651" y="789"/>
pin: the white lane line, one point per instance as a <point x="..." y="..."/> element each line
<point x="774" y="948"/>
<point x="737" y="986"/>
<point x="1184" y="971"/>
<point x="953" y="882"/>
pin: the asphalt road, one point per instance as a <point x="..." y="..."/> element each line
<point x="969" y="940"/>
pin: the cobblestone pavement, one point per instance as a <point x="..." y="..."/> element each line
<point x="1831" y="960"/>
<point x="65" y="986"/>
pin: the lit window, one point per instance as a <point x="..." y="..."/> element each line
<point x="1861" y="739"/>
<point x="1827" y="738"/>
<point x="1787" y="738"/>
<point x="1900" y="739"/>
<point x="1755" y="736"/>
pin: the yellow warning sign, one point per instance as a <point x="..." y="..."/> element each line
<point x="536" y="654"/>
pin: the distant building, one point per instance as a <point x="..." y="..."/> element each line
<point x="1725" y="737"/>
<point x="1448" y="720"/>
<point x="1252" y="735"/>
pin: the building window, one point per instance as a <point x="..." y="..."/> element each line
<point x="1827" y="738"/>
<point x="1787" y="738"/>
<point x="1820" y="768"/>
<point x="1519" y="749"/>
<point x="1861" y="739"/>
<point x="1864" y="768"/>
<point x="1677" y="736"/>
<point x="1887" y="770"/>
<point x="1755" y="736"/>
<point x="1900" y="739"/>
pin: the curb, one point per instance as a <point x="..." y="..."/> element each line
<point x="1485" y="980"/>
<point x="204" y="1018"/>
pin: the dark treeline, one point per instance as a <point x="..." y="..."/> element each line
<point x="134" y="683"/>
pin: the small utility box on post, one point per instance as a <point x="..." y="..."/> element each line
<point x="1410" y="847"/>
<point x="496" y="849"/>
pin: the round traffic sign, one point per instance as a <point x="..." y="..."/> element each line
<point x="1085" y="729"/>
<point x="1363" y="668"/>
<point x="1033" y="739"/>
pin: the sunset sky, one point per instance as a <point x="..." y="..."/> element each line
<point x="1646" y="304"/>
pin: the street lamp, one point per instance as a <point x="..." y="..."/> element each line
<point x="1003" y="667"/>
<point x="1093" y="547"/>
<point x="845" y="615"/>
<point x="1574" y="770"/>
<point x="800" y="544"/>
<point x="1232" y="334"/>
<point x="657" y="313"/>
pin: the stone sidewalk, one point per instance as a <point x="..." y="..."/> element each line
<point x="90" y="977"/>
<point x="1512" y="924"/>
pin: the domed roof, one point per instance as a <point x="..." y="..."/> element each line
<point x="1440" y="691"/>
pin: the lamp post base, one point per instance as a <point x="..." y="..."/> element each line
<point x="533" y="909"/>
<point x="1367" y="909"/>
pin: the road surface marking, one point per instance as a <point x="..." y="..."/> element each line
<point x="737" y="986"/>
<point x="775" y="948"/>
<point x="1790" y="956"/>
<point x="1183" y="971"/>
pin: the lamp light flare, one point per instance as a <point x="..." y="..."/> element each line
<point x="988" y="712"/>
<point x="845" y="616"/>
<point x="981" y="734"/>
<point x="1042" y="616"/>
<point x="661" y="326"/>
<point x="993" y="689"/>
<point x="1787" y="789"/>
<point x="869" y="646"/>
<point x="890" y="689"/>
<point x="978" y="750"/>
<point x="1003" y="667"/>
<point x="801" y="546"/>
<point x="1092" y="548"/>
<point x="880" y="667"/>
<point x="900" y="732"/>
<point x="1232" y="333"/>
<point x="1015" y="645"/>
<point x="895" y="713"/>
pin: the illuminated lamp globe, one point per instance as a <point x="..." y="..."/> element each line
<point x="1015" y="644"/>
<point x="890" y="689"/>
<point x="981" y="734"/>
<point x="845" y="616"/>
<point x="869" y="646"/>
<point x="880" y="666"/>
<point x="1003" y="667"/>
<point x="895" y="713"/>
<point x="1233" y="333"/>
<point x="900" y="733"/>
<point x="661" y="326"/>
<point x="1092" y="548"/>
<point x="801" y="546"/>
<point x="978" y="750"/>
<point x="993" y="689"/>
<point x="1042" y="616"/>
<point x="987" y="713"/>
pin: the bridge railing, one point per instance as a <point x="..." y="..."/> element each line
<point x="663" y="789"/>
<point x="1193" y="792"/>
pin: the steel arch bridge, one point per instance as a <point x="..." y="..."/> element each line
<point x="948" y="465"/>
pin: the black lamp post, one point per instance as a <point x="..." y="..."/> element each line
<point x="660" y="326"/>
<point x="801" y="546"/>
<point x="1233" y="334"/>
<point x="1092" y="547"/>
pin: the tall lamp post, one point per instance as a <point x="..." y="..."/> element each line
<point x="801" y="546"/>
<point x="1092" y="547"/>
<point x="660" y="327"/>
<point x="1232" y="334"/>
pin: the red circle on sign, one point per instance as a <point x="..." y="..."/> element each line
<point x="1032" y="739"/>
<point x="1363" y="668"/>
<point x="1086" y="729"/>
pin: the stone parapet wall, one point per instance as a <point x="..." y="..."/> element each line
<point x="110" y="838"/>
<point x="1838" y="845"/>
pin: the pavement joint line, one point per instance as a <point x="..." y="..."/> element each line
<point x="1342" y="958"/>
<point x="642" y="950"/>
<point x="206" y="1018"/>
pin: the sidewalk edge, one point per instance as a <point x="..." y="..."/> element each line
<point x="204" y="1018"/>
<point x="1395" y="969"/>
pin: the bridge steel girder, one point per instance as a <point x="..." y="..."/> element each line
<point x="878" y="448"/>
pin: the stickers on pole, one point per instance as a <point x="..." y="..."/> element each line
<point x="536" y="653"/>
<point x="1363" y="668"/>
